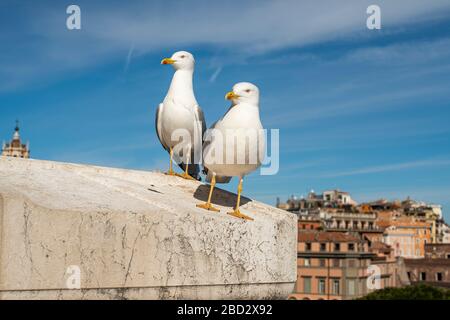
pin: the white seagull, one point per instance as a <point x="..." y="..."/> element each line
<point x="180" y="110"/>
<point x="235" y="144"/>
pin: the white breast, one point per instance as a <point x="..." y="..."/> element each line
<point x="176" y="119"/>
<point x="240" y="149"/>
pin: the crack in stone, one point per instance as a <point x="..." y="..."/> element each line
<point x="131" y="260"/>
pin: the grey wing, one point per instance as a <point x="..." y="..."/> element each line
<point x="200" y="116"/>
<point x="158" y="126"/>
<point x="206" y="143"/>
<point x="206" y="138"/>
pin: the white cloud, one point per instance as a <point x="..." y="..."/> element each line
<point x="390" y="167"/>
<point x="403" y="53"/>
<point x="41" y="46"/>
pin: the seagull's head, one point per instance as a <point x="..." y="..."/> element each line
<point x="181" y="60"/>
<point x="244" y="92"/>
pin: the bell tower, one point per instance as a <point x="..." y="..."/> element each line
<point x="15" y="148"/>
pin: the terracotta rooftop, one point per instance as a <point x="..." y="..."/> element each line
<point x="383" y="223"/>
<point x="401" y="223"/>
<point x="380" y="246"/>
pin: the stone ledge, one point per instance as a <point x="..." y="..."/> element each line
<point x="135" y="234"/>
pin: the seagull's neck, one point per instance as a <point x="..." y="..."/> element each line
<point x="181" y="85"/>
<point x="249" y="107"/>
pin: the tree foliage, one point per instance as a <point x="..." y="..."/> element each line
<point x="415" y="292"/>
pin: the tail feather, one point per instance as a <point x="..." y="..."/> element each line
<point x="193" y="170"/>
<point x="219" y="179"/>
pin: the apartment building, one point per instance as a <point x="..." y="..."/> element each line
<point x="434" y="269"/>
<point x="408" y="237"/>
<point x="331" y="266"/>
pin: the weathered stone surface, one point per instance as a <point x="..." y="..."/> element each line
<point x="135" y="235"/>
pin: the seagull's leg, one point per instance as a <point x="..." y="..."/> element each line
<point x="236" y="213"/>
<point x="208" y="205"/>
<point x="171" y="172"/>
<point x="186" y="175"/>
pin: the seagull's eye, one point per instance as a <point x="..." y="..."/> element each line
<point x="248" y="90"/>
<point x="183" y="56"/>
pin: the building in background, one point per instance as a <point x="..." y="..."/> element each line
<point x="338" y="266"/>
<point x="433" y="269"/>
<point x="337" y="197"/>
<point x="314" y="202"/>
<point x="15" y="148"/>
<point x="389" y="211"/>
<point x="310" y="222"/>
<point x="445" y="234"/>
<point x="341" y="220"/>
<point x="331" y="266"/>
<point x="381" y="220"/>
<point x="342" y="244"/>
<point x="392" y="268"/>
<point x="430" y="213"/>
<point x="408" y="237"/>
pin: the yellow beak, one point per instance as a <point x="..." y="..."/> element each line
<point x="231" y="95"/>
<point x="167" y="61"/>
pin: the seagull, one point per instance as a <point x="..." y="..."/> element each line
<point x="235" y="145"/>
<point x="180" y="113"/>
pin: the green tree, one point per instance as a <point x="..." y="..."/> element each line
<point x="415" y="292"/>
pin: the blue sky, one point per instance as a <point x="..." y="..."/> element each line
<point x="366" y="111"/>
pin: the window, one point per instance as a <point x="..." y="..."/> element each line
<point x="337" y="247"/>
<point x="351" y="263"/>
<point x="351" y="247"/>
<point x="323" y="247"/>
<point x="423" y="276"/>
<point x="307" y="262"/>
<point x="307" y="284"/>
<point x="336" y="286"/>
<point x="308" y="246"/>
<point x="336" y="263"/>
<point x="322" y="262"/>
<point x="362" y="287"/>
<point x="438" y="276"/>
<point x="409" y="275"/>
<point x="351" y="287"/>
<point x="321" y="286"/>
